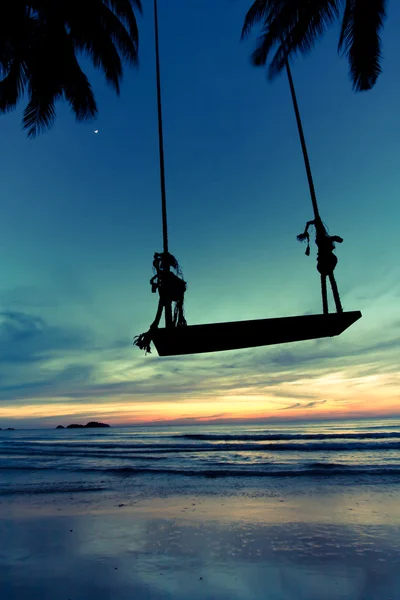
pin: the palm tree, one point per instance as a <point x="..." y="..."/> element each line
<point x="293" y="26"/>
<point x="41" y="42"/>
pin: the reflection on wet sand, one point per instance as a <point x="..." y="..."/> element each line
<point x="256" y="551"/>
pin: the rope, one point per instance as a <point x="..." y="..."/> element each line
<point x="324" y="293"/>
<point x="326" y="261"/>
<point x="168" y="308"/>
<point x="161" y="134"/>
<point x="170" y="286"/>
<point x="335" y="292"/>
<point x="303" y="142"/>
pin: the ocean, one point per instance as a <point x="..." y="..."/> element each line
<point x="208" y="456"/>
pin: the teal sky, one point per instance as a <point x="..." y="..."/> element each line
<point x="81" y="221"/>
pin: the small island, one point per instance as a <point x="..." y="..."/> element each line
<point x="90" y="425"/>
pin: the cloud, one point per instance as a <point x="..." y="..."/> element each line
<point x="26" y="338"/>
<point x="38" y="359"/>
<point x="307" y="405"/>
<point x="323" y="350"/>
<point x="62" y="382"/>
<point x="43" y="363"/>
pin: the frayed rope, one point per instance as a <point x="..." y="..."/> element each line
<point x="179" y="315"/>
<point x="143" y="341"/>
<point x="302" y="237"/>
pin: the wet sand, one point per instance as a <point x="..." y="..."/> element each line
<point x="332" y="546"/>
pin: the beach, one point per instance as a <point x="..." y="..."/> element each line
<point x="331" y="544"/>
<point x="157" y="536"/>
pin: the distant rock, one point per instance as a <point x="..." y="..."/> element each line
<point x="10" y="429"/>
<point x="60" y="427"/>
<point x="90" y="425"/>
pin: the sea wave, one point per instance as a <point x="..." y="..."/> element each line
<point x="138" y="449"/>
<point x="227" y="437"/>
<point x="33" y="451"/>
<point x="321" y="470"/>
<point x="310" y="470"/>
<point x="54" y="489"/>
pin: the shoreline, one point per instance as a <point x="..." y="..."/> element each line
<point x="303" y="499"/>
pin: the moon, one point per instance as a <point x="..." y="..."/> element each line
<point x="96" y="131"/>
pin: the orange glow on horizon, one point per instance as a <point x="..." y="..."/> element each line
<point x="315" y="396"/>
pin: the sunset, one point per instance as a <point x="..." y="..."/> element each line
<point x="354" y="374"/>
<point x="80" y="227"/>
<point x="199" y="300"/>
<point x="280" y="385"/>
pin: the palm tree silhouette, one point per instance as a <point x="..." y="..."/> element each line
<point x="300" y="23"/>
<point x="40" y="44"/>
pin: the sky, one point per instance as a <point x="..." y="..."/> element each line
<point x="81" y="220"/>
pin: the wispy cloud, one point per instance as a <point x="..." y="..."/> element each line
<point x="26" y="338"/>
<point x="304" y="405"/>
<point x="44" y="364"/>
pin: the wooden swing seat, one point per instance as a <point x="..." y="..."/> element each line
<point x="217" y="337"/>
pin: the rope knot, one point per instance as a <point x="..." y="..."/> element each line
<point x="171" y="288"/>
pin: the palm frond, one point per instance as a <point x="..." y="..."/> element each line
<point x="78" y="91"/>
<point x="126" y="40"/>
<point x="40" y="114"/>
<point x="103" y="54"/>
<point x="12" y="85"/>
<point x="264" y="44"/>
<point x="15" y="26"/>
<point x="302" y="30"/>
<point x="104" y="39"/>
<point x="44" y="78"/>
<point x="124" y="9"/>
<point x="258" y="12"/>
<point x="40" y="43"/>
<point x="291" y="25"/>
<point x="98" y="19"/>
<point x="314" y="18"/>
<point x="275" y="29"/>
<point x="360" y="40"/>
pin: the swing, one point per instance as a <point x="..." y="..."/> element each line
<point x="177" y="338"/>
